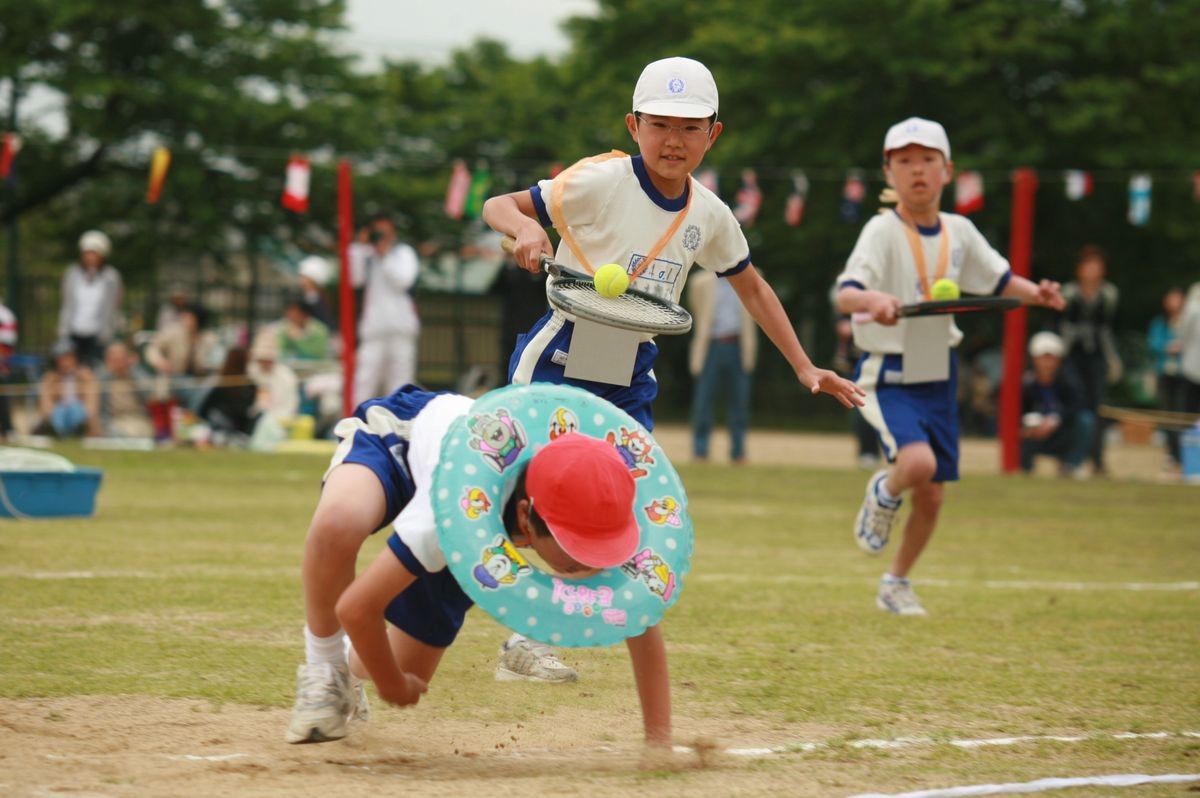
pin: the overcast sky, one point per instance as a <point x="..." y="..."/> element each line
<point x="429" y="30"/>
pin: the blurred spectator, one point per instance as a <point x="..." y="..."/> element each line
<point x="91" y="299"/>
<point x="721" y="358"/>
<point x="845" y="361"/>
<point x="125" y="390"/>
<point x="388" y="330"/>
<point x="301" y="336"/>
<point x="172" y="307"/>
<point x="277" y="389"/>
<point x="184" y="349"/>
<point x="1189" y="350"/>
<point x="1163" y="342"/>
<point x="316" y="273"/>
<point x="8" y="345"/>
<point x="1054" y="420"/>
<point x="68" y="397"/>
<point x="229" y="406"/>
<point x="1087" y="333"/>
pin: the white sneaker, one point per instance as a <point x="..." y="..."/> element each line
<point x="522" y="659"/>
<point x="897" y="596"/>
<point x="876" y="516"/>
<point x="326" y="699"/>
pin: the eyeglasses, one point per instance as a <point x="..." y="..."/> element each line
<point x="691" y="132"/>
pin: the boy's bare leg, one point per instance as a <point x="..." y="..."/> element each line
<point x="926" y="504"/>
<point x="351" y="507"/>
<point x="412" y="656"/>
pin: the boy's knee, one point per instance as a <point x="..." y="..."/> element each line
<point x="336" y="535"/>
<point x="929" y="496"/>
<point x="920" y="463"/>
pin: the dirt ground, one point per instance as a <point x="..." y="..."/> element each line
<point x="127" y="746"/>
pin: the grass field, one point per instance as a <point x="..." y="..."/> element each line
<point x="152" y="650"/>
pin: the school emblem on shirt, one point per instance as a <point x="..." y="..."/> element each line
<point x="691" y="238"/>
<point x="676" y="86"/>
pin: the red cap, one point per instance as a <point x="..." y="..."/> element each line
<point x="584" y="492"/>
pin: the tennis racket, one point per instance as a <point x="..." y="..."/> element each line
<point x="575" y="293"/>
<point x="940" y="307"/>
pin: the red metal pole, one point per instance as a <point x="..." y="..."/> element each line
<point x="345" y="289"/>
<point x="1020" y="246"/>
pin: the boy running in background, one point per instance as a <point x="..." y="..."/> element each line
<point x="648" y="215"/>
<point x="899" y="255"/>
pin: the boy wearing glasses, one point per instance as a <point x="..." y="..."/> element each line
<point x="648" y="215"/>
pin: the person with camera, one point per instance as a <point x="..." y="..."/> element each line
<point x="385" y="269"/>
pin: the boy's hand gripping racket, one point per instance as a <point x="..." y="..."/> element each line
<point x="575" y="293"/>
<point x="939" y="307"/>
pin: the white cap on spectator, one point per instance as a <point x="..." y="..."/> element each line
<point x="1046" y="343"/>
<point x="916" y="130"/>
<point x="316" y="269"/>
<point x="676" y="87"/>
<point x="266" y="343"/>
<point x="95" y="241"/>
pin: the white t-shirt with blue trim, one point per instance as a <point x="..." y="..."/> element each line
<point x="415" y="525"/>
<point x="617" y="216"/>
<point x="883" y="261"/>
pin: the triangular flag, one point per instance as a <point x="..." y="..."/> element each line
<point x="1139" y="199"/>
<point x="708" y="179"/>
<point x="481" y="181"/>
<point x="160" y="162"/>
<point x="853" y="192"/>
<point x="295" y="190"/>
<point x="1078" y="184"/>
<point x="456" y="191"/>
<point x="793" y="211"/>
<point x="968" y="193"/>
<point x="8" y="152"/>
<point x="748" y="199"/>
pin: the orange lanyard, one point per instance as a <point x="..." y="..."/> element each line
<point x="918" y="251"/>
<point x="560" y="223"/>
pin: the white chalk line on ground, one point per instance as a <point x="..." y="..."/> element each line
<point x="995" y="584"/>
<point x="1040" y="785"/>
<point x="792" y="748"/>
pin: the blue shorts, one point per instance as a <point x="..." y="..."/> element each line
<point x="637" y="400"/>
<point x="381" y="449"/>
<point x="901" y="414"/>
<point x="432" y="608"/>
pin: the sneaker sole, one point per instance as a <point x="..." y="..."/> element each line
<point x="314" y="735"/>
<point x="505" y="675"/>
<point x="881" y="604"/>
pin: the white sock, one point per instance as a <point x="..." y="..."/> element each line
<point x="894" y="579"/>
<point x="886" y="494"/>
<point x="330" y="649"/>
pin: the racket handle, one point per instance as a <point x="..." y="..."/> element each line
<point x="508" y="244"/>
<point x="861" y="317"/>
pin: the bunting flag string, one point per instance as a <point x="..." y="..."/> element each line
<point x="456" y="191"/>
<point x="160" y="162"/>
<point x="1139" y="199"/>
<point x="1078" y="184"/>
<point x="748" y="200"/>
<point x="10" y="145"/>
<point x="481" y="182"/>
<point x="793" y="211"/>
<point x="295" y="191"/>
<point x="968" y="193"/>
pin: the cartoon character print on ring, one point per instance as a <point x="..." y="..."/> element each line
<point x="482" y="454"/>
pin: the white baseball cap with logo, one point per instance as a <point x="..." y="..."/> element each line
<point x="1046" y="343"/>
<point x="916" y="130"/>
<point x="676" y="86"/>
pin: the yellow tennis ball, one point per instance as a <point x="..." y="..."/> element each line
<point x="611" y="280"/>
<point x="944" y="289"/>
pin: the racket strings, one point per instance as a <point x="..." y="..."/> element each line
<point x="581" y="299"/>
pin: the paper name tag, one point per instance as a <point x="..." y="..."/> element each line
<point x="926" y="349"/>
<point x="601" y="353"/>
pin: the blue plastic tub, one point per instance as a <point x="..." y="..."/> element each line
<point x="49" y="494"/>
<point x="1189" y="444"/>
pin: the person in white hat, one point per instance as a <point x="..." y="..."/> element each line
<point x="1055" y="419"/>
<point x="647" y="214"/>
<point x="90" y="312"/>
<point x="898" y="257"/>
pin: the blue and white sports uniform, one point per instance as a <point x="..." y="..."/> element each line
<point x="399" y="437"/>
<point x="617" y="216"/>
<point x="882" y="260"/>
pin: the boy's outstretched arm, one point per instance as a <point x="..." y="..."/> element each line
<point x="360" y="611"/>
<point x="1046" y="293"/>
<point x="514" y="215"/>
<point x="649" y="656"/>
<point x="764" y="306"/>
